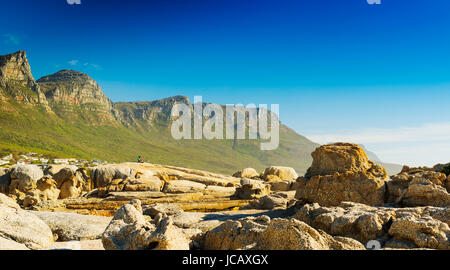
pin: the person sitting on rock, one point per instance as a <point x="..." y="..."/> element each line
<point x="139" y="160"/>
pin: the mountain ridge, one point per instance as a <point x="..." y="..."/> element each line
<point x="71" y="115"/>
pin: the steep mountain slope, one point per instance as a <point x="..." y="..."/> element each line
<point x="66" y="114"/>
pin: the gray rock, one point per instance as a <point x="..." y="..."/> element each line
<point x="169" y="209"/>
<point x="24" y="177"/>
<point x="23" y="227"/>
<point x="103" y="175"/>
<point x="7" y="244"/>
<point x="129" y="230"/>
<point x="72" y="226"/>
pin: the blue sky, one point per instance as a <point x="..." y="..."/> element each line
<point x="340" y="69"/>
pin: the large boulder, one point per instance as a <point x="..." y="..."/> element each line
<point x="54" y="169"/>
<point x="341" y="172"/>
<point x="418" y="188"/>
<point x="246" y="173"/>
<point x="262" y="233"/>
<point x="61" y="173"/>
<point x="236" y="234"/>
<point x="358" y="221"/>
<point x="419" y="227"/>
<point x="276" y="173"/>
<point x="252" y="189"/>
<point x="424" y="232"/>
<point x="74" y="227"/>
<point x="269" y="202"/>
<point x="22" y="227"/>
<point x="72" y="187"/>
<point x="45" y="190"/>
<point x="341" y="158"/>
<point x="104" y="175"/>
<point x="24" y="178"/>
<point x="129" y="230"/>
<point x="291" y="234"/>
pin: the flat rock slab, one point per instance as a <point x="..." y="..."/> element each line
<point x="72" y="226"/>
<point x="78" y="245"/>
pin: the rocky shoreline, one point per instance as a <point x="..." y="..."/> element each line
<point x="343" y="202"/>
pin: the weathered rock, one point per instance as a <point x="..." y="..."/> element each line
<point x="342" y="172"/>
<point x="354" y="220"/>
<point x="331" y="190"/>
<point x="281" y="173"/>
<point x="365" y="223"/>
<point x="424" y="232"/>
<point x="61" y="173"/>
<point x="8" y="244"/>
<point x="45" y="190"/>
<point x="103" y="175"/>
<point x="183" y="186"/>
<point x="234" y="235"/>
<point x="277" y="234"/>
<point x="24" y="178"/>
<point x="218" y="191"/>
<point x="418" y="188"/>
<point x="291" y="234"/>
<point x="341" y="158"/>
<point x="72" y="187"/>
<point x="54" y="169"/>
<point x="151" y="183"/>
<point x="72" y="226"/>
<point x="282" y="185"/>
<point x="246" y="173"/>
<point x="269" y="202"/>
<point x="252" y="189"/>
<point x="164" y="208"/>
<point x="22" y="227"/>
<point x="130" y="230"/>
<point x="167" y="237"/>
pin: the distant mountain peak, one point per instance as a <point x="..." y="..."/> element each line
<point x="65" y="75"/>
<point x="16" y="80"/>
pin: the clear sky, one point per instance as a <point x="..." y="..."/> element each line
<point x="340" y="69"/>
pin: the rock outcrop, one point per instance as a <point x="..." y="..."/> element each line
<point x="16" y="80"/>
<point x="262" y="233"/>
<point x="418" y="188"/>
<point x="277" y="173"/>
<point x="22" y="227"/>
<point x="24" y="178"/>
<point x="420" y="227"/>
<point x="129" y="230"/>
<point x="342" y="172"/>
<point x="74" y="88"/>
<point x="252" y="189"/>
<point x="72" y="226"/>
<point x="246" y="173"/>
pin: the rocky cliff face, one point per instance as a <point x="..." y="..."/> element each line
<point x="16" y="80"/>
<point x="69" y="87"/>
<point x="129" y="113"/>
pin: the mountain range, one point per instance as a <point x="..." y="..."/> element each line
<point x="67" y="114"/>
